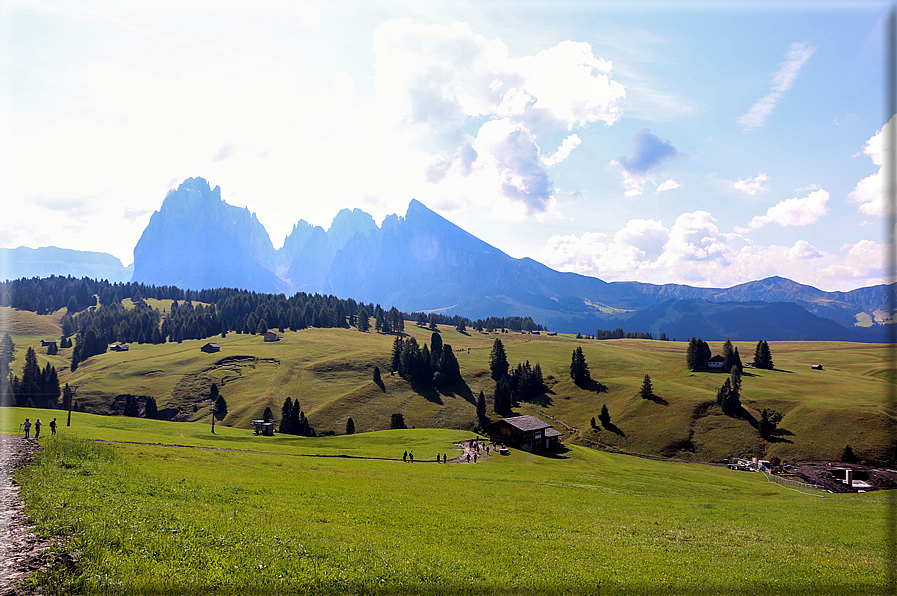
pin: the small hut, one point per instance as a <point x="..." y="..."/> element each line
<point x="266" y="429"/>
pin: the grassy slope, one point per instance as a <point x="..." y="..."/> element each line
<point x="330" y="370"/>
<point x="162" y="520"/>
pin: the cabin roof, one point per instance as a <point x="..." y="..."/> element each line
<point x="525" y="423"/>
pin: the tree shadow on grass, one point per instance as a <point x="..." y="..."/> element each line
<point x="427" y="391"/>
<point x="379" y="383"/>
<point x="543" y="399"/>
<point x="779" y="436"/>
<point x="593" y="385"/>
<point x="658" y="400"/>
<point x="460" y="389"/>
<point x="610" y="426"/>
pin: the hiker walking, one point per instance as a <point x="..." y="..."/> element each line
<point x="468" y="458"/>
<point x="405" y="457"/>
<point x="27" y="427"/>
<point x="443" y="458"/>
<point x="53" y="427"/>
<point x="474" y="458"/>
<point x="37" y="428"/>
<point x="411" y="456"/>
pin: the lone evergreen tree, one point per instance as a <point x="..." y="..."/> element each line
<point x="579" y="369"/>
<point x="350" y="426"/>
<point x="647" y="390"/>
<point x="397" y="421"/>
<point x="604" y="416"/>
<point x="377" y="379"/>
<point x="268" y="416"/>
<point x="762" y="356"/>
<point x="498" y="360"/>
<point x="593" y="423"/>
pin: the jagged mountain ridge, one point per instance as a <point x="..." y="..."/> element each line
<point x="423" y="262"/>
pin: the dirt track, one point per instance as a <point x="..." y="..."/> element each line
<point x="21" y="551"/>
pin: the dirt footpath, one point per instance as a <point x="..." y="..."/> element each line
<point x="21" y="551"/>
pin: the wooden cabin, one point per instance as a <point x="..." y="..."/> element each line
<point x="526" y="432"/>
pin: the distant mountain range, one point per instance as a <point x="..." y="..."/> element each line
<point x="16" y="263"/>
<point x="423" y="262"/>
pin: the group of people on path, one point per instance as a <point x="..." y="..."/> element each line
<point x="472" y="452"/>
<point x="27" y="426"/>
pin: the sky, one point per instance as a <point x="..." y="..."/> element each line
<point x="704" y="143"/>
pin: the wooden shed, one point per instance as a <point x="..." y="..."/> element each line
<point x="210" y="348"/>
<point x="526" y="432"/>
<point x="263" y="428"/>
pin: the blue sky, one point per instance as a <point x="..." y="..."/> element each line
<point x="707" y="143"/>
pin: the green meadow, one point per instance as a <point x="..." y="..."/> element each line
<point x="152" y="518"/>
<point x="330" y="372"/>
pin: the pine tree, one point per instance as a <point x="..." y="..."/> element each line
<point x="132" y="406"/>
<point x="763" y="356"/>
<point x="498" y="360"/>
<point x="647" y="390"/>
<point x="397" y="347"/>
<point x="268" y="416"/>
<point x="728" y="355"/>
<point x="579" y="368"/>
<point x="377" y="379"/>
<point x="363" y="321"/>
<point x="397" y="421"/>
<point x="350" y="426"/>
<point x="286" y="413"/>
<point x="502" y="397"/>
<point x="593" y="423"/>
<point x="848" y="456"/>
<point x="604" y="416"/>
<point x="150" y="410"/>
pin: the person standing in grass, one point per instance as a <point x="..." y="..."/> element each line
<point x="405" y="457"/>
<point x="37" y="428"/>
<point x="474" y="458"/>
<point x="411" y="456"/>
<point x="443" y="458"/>
<point x="53" y="427"/>
<point x="27" y="427"/>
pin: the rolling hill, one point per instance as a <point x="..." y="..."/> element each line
<point x="329" y="371"/>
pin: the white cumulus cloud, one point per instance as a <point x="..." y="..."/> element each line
<point x="669" y="184"/>
<point x="442" y="79"/>
<point x="869" y="192"/>
<point x="793" y="212"/>
<point x="753" y="186"/>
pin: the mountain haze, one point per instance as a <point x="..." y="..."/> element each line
<point x="423" y="262"/>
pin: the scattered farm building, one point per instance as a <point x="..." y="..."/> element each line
<point x="552" y="333"/>
<point x="120" y="348"/>
<point x="210" y="348"/>
<point x="272" y="336"/>
<point x="46" y="342"/>
<point x="526" y="432"/>
<point x="263" y="428"/>
<point x="816" y="367"/>
<point x="715" y="363"/>
<point x="750" y="363"/>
